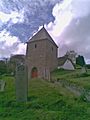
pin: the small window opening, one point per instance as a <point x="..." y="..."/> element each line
<point x="52" y="48"/>
<point x="35" y="45"/>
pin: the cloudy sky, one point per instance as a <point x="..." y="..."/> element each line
<point x="67" y="21"/>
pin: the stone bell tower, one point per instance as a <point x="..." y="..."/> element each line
<point x="41" y="55"/>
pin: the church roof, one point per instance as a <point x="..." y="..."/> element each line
<point x="62" y="60"/>
<point x="41" y="35"/>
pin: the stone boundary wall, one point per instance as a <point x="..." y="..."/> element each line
<point x="77" y="90"/>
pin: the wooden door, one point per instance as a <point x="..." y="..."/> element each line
<point x="34" y="72"/>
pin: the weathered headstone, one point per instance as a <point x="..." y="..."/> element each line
<point x="2" y="85"/>
<point x="21" y="83"/>
<point x="83" y="70"/>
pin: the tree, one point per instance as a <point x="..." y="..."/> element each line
<point x="80" y="61"/>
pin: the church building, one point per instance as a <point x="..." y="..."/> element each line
<point x="41" y="55"/>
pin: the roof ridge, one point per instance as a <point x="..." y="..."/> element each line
<point x="42" y="34"/>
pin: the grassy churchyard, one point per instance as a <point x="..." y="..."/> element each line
<point x="65" y="97"/>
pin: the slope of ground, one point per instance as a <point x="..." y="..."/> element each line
<point x="75" y="77"/>
<point x="46" y="101"/>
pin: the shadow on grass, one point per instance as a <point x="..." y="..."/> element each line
<point x="57" y="106"/>
<point x="31" y="98"/>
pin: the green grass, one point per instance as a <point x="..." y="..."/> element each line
<point x="46" y="101"/>
<point x="76" y="77"/>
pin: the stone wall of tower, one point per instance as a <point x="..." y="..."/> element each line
<point x="51" y="55"/>
<point x="41" y="54"/>
<point x="36" y="54"/>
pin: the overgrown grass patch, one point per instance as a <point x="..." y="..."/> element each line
<point x="46" y="101"/>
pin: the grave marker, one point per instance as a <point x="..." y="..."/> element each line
<point x="2" y="85"/>
<point x="83" y="70"/>
<point x="21" y="83"/>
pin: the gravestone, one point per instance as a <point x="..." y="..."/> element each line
<point x="2" y="85"/>
<point x="21" y="83"/>
<point x="83" y="70"/>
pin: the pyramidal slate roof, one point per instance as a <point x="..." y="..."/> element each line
<point x="42" y="35"/>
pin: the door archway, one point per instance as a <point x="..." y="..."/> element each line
<point x="34" y="72"/>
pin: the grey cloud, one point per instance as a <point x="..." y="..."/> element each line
<point x="7" y="50"/>
<point x="79" y="37"/>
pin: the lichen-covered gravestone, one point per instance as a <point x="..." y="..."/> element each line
<point x="21" y="83"/>
<point x="2" y="85"/>
<point x="83" y="70"/>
